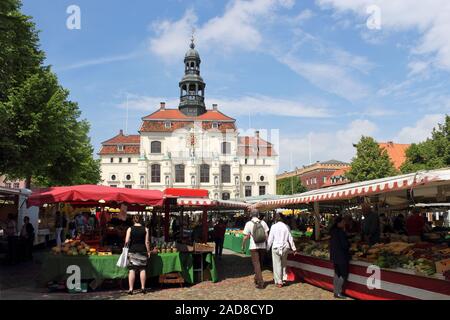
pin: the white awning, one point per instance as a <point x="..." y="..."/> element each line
<point x="360" y="189"/>
<point x="204" y="202"/>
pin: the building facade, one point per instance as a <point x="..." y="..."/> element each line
<point x="191" y="147"/>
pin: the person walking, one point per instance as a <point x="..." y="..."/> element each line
<point x="138" y="242"/>
<point x="281" y="241"/>
<point x="27" y="238"/>
<point x="219" y="236"/>
<point x="339" y="255"/>
<point x="257" y="231"/>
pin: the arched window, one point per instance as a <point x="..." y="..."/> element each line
<point x="225" y="173"/>
<point x="155" y="147"/>
<point x="192" y="65"/>
<point x="204" y="173"/>
<point x="226" y="196"/>
<point x="179" y="173"/>
<point x="155" y="173"/>
<point x="226" y="148"/>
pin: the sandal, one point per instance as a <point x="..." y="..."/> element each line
<point x="130" y="292"/>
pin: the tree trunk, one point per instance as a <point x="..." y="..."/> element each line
<point x="28" y="182"/>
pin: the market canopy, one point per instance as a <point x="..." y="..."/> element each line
<point x="185" y="192"/>
<point x="204" y="202"/>
<point x="361" y="189"/>
<point x="95" y="194"/>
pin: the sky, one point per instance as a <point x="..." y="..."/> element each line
<point x="314" y="74"/>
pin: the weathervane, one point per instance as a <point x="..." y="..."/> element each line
<point x="192" y="38"/>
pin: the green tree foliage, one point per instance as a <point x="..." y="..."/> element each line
<point x="20" y="55"/>
<point x="371" y="162"/>
<point x="42" y="135"/>
<point x="434" y="153"/>
<point x="291" y="185"/>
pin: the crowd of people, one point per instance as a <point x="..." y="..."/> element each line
<point x="20" y="244"/>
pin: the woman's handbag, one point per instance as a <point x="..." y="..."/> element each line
<point x="123" y="259"/>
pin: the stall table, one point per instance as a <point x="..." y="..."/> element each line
<point x="99" y="268"/>
<point x="398" y="284"/>
<point x="234" y="243"/>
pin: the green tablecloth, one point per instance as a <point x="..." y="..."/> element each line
<point x="234" y="243"/>
<point x="54" y="267"/>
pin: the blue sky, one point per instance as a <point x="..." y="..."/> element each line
<point x="314" y="70"/>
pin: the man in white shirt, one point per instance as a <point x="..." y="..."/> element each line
<point x="257" y="249"/>
<point x="281" y="241"/>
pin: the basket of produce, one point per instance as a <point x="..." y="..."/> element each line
<point x="203" y="247"/>
<point x="425" y="267"/>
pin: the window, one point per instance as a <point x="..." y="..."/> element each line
<point x="120" y="147"/>
<point x="155" y="173"/>
<point x="179" y="173"/>
<point x="225" y="173"/>
<point x="226" y="148"/>
<point x="215" y="125"/>
<point x="307" y="182"/>
<point x="324" y="179"/>
<point x="128" y="177"/>
<point x="129" y="160"/>
<point x="167" y="124"/>
<point x="113" y="177"/>
<point x="120" y="160"/>
<point x="128" y="186"/>
<point x="261" y="178"/>
<point x="248" y="191"/>
<point x="248" y="178"/>
<point x="155" y="147"/>
<point x="226" y="196"/>
<point x="246" y="161"/>
<point x="113" y="185"/>
<point x="112" y="160"/>
<point x="8" y="184"/>
<point x="16" y="185"/>
<point x="204" y="173"/>
<point x="262" y="190"/>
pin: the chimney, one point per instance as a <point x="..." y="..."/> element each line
<point x="214" y="106"/>
<point x="121" y="132"/>
<point x="257" y="134"/>
<point x="162" y="105"/>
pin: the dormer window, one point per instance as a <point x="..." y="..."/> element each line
<point x="120" y="147"/>
<point x="167" y="124"/>
<point x="215" y="125"/>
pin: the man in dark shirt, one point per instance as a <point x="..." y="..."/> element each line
<point x="27" y="238"/>
<point x="219" y="236"/>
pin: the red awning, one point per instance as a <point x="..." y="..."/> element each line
<point x="93" y="193"/>
<point x="186" y="192"/>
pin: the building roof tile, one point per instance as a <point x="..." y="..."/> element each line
<point x="396" y="151"/>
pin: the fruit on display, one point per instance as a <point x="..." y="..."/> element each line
<point x="425" y="266"/>
<point x="315" y="249"/>
<point x="74" y="248"/>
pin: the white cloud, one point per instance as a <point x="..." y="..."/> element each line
<point x="324" y="145"/>
<point x="421" y="130"/>
<point x="429" y="18"/>
<point x="329" y="77"/>
<point x="238" y="27"/>
<point x="242" y="106"/>
<point x="99" y="61"/>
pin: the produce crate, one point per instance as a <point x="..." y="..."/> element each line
<point x="171" y="278"/>
<point x="202" y="248"/>
<point x="443" y="266"/>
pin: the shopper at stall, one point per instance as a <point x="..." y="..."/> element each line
<point x="219" y="236"/>
<point x="138" y="241"/>
<point x="415" y="225"/>
<point x="339" y="255"/>
<point x="27" y="238"/>
<point x="257" y="231"/>
<point x="399" y="224"/>
<point x="281" y="241"/>
<point x="371" y="225"/>
<point x="11" y="234"/>
<point x="58" y="228"/>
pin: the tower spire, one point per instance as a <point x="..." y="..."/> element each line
<point x="192" y="86"/>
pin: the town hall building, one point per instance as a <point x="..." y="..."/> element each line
<point x="191" y="147"/>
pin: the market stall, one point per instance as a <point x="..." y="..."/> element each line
<point x="418" y="270"/>
<point x="233" y="241"/>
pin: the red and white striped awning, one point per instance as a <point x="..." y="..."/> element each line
<point x="205" y="202"/>
<point x="366" y="188"/>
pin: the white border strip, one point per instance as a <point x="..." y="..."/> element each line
<point x="385" y="285"/>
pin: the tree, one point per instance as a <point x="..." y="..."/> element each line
<point x="433" y="153"/>
<point x="20" y="55"/>
<point x="290" y="185"/>
<point x="371" y="162"/>
<point x="42" y="137"/>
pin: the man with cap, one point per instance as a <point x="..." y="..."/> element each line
<point x="257" y="230"/>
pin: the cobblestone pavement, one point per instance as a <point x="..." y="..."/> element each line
<point x="235" y="272"/>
